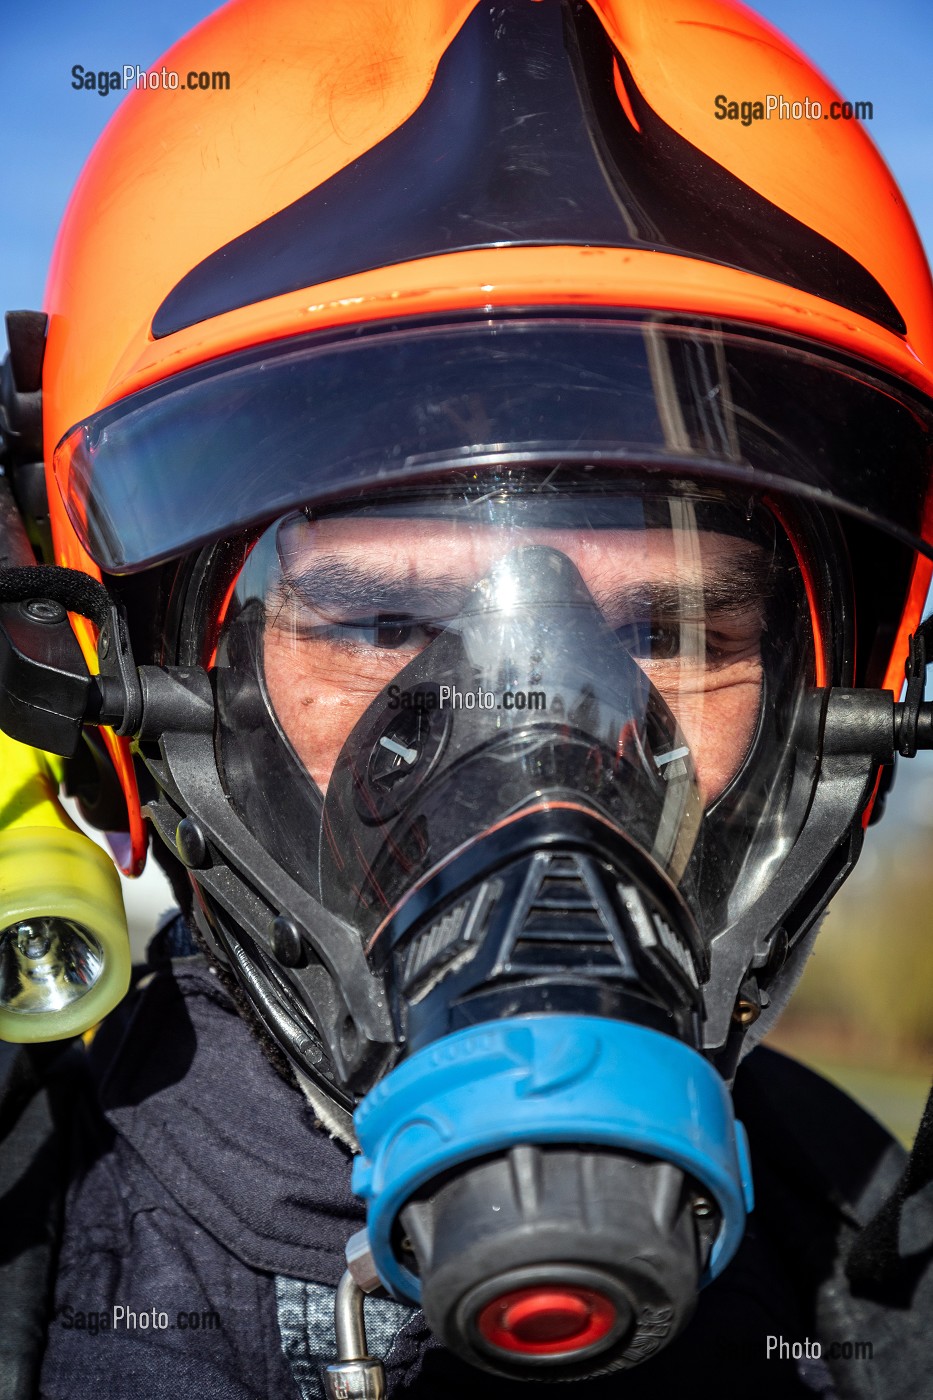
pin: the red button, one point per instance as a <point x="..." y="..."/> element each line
<point x="546" y="1321"/>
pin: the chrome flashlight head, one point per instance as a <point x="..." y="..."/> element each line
<point x="46" y="964"/>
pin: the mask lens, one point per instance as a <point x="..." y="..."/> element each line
<point x="426" y="667"/>
<point x="359" y="597"/>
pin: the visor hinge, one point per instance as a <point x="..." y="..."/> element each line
<point x="872" y="723"/>
<point x="147" y="701"/>
<point x="860" y="723"/>
<point x="120" y="688"/>
<point x="47" y="691"/>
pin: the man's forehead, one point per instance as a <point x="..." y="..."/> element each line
<point x="452" y="547"/>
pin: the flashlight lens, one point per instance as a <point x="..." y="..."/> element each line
<point x="46" y="964"/>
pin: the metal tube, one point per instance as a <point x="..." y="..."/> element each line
<point x="348" y="1319"/>
<point x="354" y="1376"/>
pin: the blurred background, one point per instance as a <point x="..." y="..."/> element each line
<point x="863" y="1013"/>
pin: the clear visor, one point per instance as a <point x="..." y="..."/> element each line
<point x="397" y="679"/>
<point x="233" y="443"/>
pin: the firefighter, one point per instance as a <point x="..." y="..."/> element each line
<point x="489" y="495"/>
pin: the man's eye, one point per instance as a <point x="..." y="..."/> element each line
<point x="664" y="643"/>
<point x="386" y="631"/>
<point x="651" y="640"/>
<point x="712" y="643"/>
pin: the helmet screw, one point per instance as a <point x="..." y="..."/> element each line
<point x="287" y="944"/>
<point x="191" y="843"/>
<point x="44" y="610"/>
<point x="103" y="642"/>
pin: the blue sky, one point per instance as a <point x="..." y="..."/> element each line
<point x="870" y="51"/>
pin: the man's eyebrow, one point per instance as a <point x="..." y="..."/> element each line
<point x="737" y="587"/>
<point x="333" y="584"/>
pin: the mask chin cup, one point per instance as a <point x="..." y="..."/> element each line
<point x="553" y="1190"/>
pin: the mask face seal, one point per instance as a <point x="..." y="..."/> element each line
<point x="533" y="749"/>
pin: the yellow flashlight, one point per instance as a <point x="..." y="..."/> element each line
<point x="64" y="946"/>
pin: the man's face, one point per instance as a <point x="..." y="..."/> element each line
<point x="359" y="598"/>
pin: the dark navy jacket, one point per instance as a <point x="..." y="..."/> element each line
<point x="202" y="1194"/>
